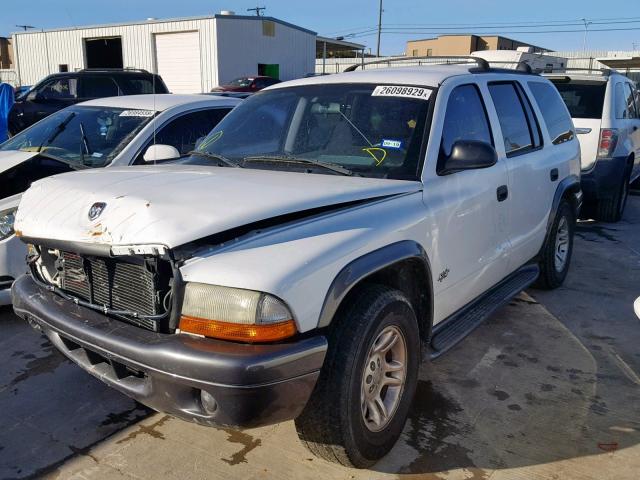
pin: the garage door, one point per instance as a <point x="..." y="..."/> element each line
<point x="178" y="59"/>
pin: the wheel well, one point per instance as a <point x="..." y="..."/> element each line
<point x="413" y="278"/>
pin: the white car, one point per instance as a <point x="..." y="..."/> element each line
<point x="106" y="132"/>
<point x="606" y="112"/>
<point x="303" y="270"/>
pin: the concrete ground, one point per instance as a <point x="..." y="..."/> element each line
<point x="548" y="388"/>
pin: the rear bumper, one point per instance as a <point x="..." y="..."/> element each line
<point x="251" y="385"/>
<point x="604" y="179"/>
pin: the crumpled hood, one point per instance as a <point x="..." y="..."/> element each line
<point x="11" y="158"/>
<point x="176" y="204"/>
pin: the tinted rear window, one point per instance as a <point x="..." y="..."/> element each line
<point x="583" y="99"/>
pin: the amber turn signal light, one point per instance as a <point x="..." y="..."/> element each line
<point x="249" y="333"/>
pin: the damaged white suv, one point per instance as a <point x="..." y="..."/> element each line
<point x="329" y="234"/>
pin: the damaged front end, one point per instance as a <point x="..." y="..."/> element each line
<point x="137" y="284"/>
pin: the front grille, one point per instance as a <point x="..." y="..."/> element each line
<point x="139" y="287"/>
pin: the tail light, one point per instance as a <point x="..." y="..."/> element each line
<point x="608" y="142"/>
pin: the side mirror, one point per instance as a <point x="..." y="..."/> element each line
<point x="469" y="155"/>
<point x="157" y="153"/>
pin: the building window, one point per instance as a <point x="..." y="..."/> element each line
<point x="63" y="67"/>
<point x="414" y="52"/>
<point x="429" y="52"/>
<point x="268" y="28"/>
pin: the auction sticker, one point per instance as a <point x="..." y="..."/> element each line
<point x="400" y="91"/>
<point x="137" y="113"/>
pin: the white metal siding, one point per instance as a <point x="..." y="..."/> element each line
<point x="178" y="61"/>
<point x="242" y="46"/>
<point x="40" y="53"/>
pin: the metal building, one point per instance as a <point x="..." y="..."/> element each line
<point x="191" y="54"/>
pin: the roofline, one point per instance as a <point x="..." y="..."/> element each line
<point x="354" y="46"/>
<point x="166" y="20"/>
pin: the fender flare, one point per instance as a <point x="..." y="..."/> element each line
<point x="570" y="184"/>
<point x="368" y="264"/>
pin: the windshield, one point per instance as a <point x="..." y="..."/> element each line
<point x="583" y="99"/>
<point x="241" y="82"/>
<point x="87" y="136"/>
<point x="369" y="130"/>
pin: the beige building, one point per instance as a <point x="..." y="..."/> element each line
<point x="6" y="53"/>
<point x="463" y="45"/>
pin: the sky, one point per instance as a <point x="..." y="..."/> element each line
<point x="407" y="19"/>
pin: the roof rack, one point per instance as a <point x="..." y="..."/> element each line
<point x="482" y="65"/>
<point x="127" y="69"/>
<point x="602" y="71"/>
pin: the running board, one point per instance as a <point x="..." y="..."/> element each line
<point x="454" y="328"/>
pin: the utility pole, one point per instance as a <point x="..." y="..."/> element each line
<point x="25" y="27"/>
<point x="257" y="9"/>
<point x="584" y="39"/>
<point x="379" y="27"/>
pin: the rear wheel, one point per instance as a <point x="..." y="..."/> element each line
<point x="611" y="209"/>
<point x="361" y="401"/>
<point x="556" y="252"/>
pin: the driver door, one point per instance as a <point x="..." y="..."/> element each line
<point x="54" y="95"/>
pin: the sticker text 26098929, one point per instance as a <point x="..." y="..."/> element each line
<point x="400" y="91"/>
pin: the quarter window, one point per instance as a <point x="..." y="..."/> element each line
<point x="620" y="102"/>
<point x="554" y="112"/>
<point x="517" y="133"/>
<point x="630" y="102"/>
<point x="465" y="119"/>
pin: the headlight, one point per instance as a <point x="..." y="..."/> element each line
<point x="7" y="217"/>
<point x="235" y="314"/>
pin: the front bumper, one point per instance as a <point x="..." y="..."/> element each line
<point x="604" y="179"/>
<point x="12" y="264"/>
<point x="252" y="385"/>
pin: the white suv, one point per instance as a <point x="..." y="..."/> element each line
<point x="329" y="233"/>
<point x="606" y="112"/>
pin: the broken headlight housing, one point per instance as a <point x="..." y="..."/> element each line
<point x="235" y="314"/>
<point x="7" y="217"/>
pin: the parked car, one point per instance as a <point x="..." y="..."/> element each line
<point x="606" y="112"/>
<point x="61" y="90"/>
<point x="327" y="235"/>
<point x="100" y="133"/>
<point x="246" y="84"/>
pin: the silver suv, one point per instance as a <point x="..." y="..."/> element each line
<point x="606" y="112"/>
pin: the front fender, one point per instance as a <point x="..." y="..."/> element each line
<point x="302" y="263"/>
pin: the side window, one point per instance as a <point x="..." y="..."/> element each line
<point x="620" y="102"/>
<point x="554" y="112"/>
<point x="465" y="119"/>
<point x="60" y="89"/>
<point x="516" y="129"/>
<point x="630" y="102"/>
<point x="534" y="126"/>
<point x="98" y="87"/>
<point x="183" y="132"/>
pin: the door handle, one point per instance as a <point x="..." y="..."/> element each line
<point x="553" y="174"/>
<point x="502" y="193"/>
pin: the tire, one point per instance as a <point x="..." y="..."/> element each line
<point x="611" y="209"/>
<point x="334" y="425"/>
<point x="553" y="272"/>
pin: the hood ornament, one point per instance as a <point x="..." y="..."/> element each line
<point x="96" y="210"/>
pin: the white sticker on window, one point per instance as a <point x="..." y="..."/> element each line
<point x="137" y="113"/>
<point x="400" y="91"/>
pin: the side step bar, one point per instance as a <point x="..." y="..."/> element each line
<point x="454" y="328"/>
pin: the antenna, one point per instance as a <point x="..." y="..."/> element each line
<point x="257" y="9"/>
<point x="25" y="27"/>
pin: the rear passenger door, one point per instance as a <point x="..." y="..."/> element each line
<point x="98" y="87"/>
<point x="533" y="172"/>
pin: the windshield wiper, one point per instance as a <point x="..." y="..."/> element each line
<point x="288" y="159"/>
<point x="58" y="130"/>
<point x="85" y="140"/>
<point x="216" y="156"/>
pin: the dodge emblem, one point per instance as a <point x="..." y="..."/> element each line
<point x="96" y="209"/>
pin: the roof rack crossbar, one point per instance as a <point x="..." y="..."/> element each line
<point x="603" y="71"/>
<point x="481" y="63"/>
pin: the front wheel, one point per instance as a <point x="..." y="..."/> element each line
<point x="361" y="401"/>
<point x="556" y="252"/>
